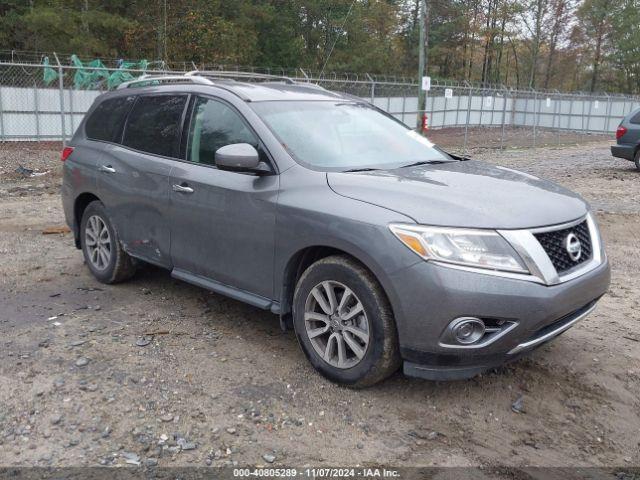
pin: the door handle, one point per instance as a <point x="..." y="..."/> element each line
<point x="106" y="169"/>
<point x="182" y="189"/>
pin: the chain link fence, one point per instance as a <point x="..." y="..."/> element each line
<point x="47" y="102"/>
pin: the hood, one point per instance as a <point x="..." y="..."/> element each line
<point x="463" y="194"/>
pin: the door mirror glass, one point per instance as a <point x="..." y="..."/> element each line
<point x="238" y="157"/>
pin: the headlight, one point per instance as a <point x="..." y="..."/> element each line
<point x="461" y="246"/>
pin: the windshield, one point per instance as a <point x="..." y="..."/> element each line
<point x="345" y="136"/>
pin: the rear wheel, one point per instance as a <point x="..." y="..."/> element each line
<point x="636" y="159"/>
<point x="103" y="253"/>
<point x="344" y="323"/>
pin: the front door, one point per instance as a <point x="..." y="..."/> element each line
<point x="222" y="223"/>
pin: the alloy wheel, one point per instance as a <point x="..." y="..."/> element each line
<point x="98" y="242"/>
<point x="336" y="324"/>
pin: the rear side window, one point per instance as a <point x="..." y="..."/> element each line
<point x="154" y="124"/>
<point x="105" y="122"/>
<point x="636" y="118"/>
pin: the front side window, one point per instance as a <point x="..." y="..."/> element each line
<point x="338" y="136"/>
<point x="215" y="125"/>
<point x="154" y="124"/>
<point x="105" y="122"/>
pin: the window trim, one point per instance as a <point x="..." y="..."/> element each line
<point x="186" y="125"/>
<point x="180" y="125"/>
<point x="272" y="164"/>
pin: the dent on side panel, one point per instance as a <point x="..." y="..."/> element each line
<point x="136" y="197"/>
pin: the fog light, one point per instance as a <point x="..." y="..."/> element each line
<point x="468" y="330"/>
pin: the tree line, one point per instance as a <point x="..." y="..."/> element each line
<point x="589" y="45"/>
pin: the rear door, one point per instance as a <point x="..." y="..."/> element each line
<point x="222" y="222"/>
<point x="133" y="177"/>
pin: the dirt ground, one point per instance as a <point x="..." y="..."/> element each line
<point x="219" y="384"/>
<point x="480" y="139"/>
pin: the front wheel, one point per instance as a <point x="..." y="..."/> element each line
<point x="344" y="323"/>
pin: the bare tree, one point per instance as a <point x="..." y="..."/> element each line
<point x="562" y="11"/>
<point x="595" y="21"/>
<point x="534" y="18"/>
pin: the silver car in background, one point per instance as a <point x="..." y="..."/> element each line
<point x="379" y="249"/>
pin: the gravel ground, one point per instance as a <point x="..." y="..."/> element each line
<point x="159" y="371"/>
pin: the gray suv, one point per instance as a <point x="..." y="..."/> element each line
<point x="379" y="249"/>
<point x="628" y="138"/>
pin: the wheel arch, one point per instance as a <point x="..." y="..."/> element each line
<point x="301" y="260"/>
<point x="79" y="206"/>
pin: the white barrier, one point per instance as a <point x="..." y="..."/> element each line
<point x="35" y="113"/>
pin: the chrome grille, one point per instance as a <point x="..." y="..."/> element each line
<point x="553" y="243"/>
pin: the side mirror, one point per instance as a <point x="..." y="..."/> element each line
<point x="239" y="157"/>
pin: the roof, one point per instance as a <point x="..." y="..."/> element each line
<point x="272" y="88"/>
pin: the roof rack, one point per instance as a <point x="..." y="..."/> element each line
<point x="209" y="77"/>
<point x="166" y="78"/>
<point x="231" y="74"/>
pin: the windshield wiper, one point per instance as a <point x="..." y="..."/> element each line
<point x="365" y="169"/>
<point x="426" y="162"/>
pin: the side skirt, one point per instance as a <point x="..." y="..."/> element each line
<point x="227" y="290"/>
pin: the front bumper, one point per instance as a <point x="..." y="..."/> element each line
<point x="540" y="312"/>
<point x="484" y="363"/>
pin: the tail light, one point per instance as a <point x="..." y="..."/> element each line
<point x="620" y="132"/>
<point x="66" y="151"/>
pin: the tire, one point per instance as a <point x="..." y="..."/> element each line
<point x="636" y="159"/>
<point x="114" y="264"/>
<point x="379" y="357"/>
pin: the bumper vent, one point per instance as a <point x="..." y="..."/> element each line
<point x="554" y="244"/>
